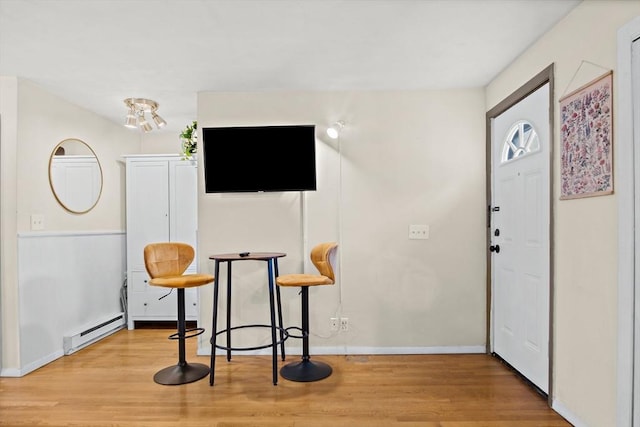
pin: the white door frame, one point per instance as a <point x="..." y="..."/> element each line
<point x="627" y="161"/>
<point x="542" y="78"/>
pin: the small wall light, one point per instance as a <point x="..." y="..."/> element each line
<point x="333" y="131"/>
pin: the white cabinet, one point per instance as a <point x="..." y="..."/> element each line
<point x="162" y="206"/>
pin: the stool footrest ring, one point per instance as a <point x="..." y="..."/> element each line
<point x="224" y="331"/>
<point x="196" y="332"/>
<point x="297" y="328"/>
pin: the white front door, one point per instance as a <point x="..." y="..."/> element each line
<point x="520" y="227"/>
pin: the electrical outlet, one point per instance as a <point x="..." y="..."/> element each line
<point x="37" y="222"/>
<point x="334" y="323"/>
<point x="418" y="232"/>
<point x="344" y="324"/>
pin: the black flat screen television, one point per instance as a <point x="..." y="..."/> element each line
<point x="259" y="158"/>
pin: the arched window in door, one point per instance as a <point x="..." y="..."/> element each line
<point x="522" y="140"/>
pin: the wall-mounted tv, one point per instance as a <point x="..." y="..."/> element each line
<point x="259" y="158"/>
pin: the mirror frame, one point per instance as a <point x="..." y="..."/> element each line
<point x="53" y="190"/>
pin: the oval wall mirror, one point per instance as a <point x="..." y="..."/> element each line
<point x="75" y="175"/>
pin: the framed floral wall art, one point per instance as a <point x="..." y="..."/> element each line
<point x="586" y="140"/>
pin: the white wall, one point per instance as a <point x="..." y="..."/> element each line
<point x="67" y="283"/>
<point x="44" y="120"/>
<point x="161" y="141"/>
<point x="33" y="123"/>
<point x="404" y="158"/>
<point x="582" y="46"/>
<point x="9" y="334"/>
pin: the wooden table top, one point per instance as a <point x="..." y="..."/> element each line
<point x="261" y="256"/>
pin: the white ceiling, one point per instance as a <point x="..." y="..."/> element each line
<point x="95" y="53"/>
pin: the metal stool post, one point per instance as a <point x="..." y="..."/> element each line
<point x="305" y="370"/>
<point x="183" y="372"/>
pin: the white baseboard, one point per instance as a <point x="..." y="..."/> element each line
<point x="399" y="350"/>
<point x="10" y="372"/>
<point x="36" y="364"/>
<point x="342" y="350"/>
<point x="567" y="414"/>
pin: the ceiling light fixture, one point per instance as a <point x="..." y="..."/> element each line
<point x="333" y="131"/>
<point x="132" y="120"/>
<point x="136" y="114"/>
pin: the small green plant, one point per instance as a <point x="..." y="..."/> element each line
<point x="189" y="138"/>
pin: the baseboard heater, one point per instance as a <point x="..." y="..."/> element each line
<point x="93" y="332"/>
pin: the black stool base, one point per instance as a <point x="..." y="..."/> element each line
<point x="181" y="374"/>
<point x="305" y="371"/>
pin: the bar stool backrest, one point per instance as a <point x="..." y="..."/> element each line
<point x="321" y="258"/>
<point x="167" y="259"/>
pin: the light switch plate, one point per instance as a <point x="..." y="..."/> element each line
<point x="418" y="232"/>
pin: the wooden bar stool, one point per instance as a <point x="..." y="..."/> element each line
<point x="166" y="263"/>
<point x="306" y="369"/>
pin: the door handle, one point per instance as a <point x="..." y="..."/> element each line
<point x="495" y="248"/>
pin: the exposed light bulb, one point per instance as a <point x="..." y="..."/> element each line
<point x="333" y="131"/>
<point x="131" y="121"/>
<point x="144" y="124"/>
<point x="159" y="121"/>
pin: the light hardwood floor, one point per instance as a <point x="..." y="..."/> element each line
<point x="111" y="384"/>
